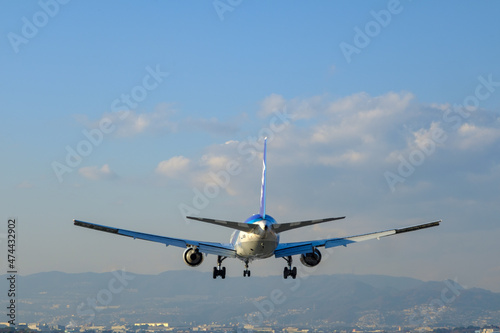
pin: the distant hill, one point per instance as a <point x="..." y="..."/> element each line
<point x="180" y="297"/>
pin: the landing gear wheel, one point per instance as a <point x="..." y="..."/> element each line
<point x="286" y="272"/>
<point x="289" y="271"/>
<point x="220" y="271"/>
<point x="246" y="271"/>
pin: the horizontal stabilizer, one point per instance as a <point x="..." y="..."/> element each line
<point x="247" y="227"/>
<point x="294" y="225"/>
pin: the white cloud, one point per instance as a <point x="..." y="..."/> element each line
<point x="211" y="125"/>
<point x="473" y="137"/>
<point x="270" y="104"/>
<point x="96" y="173"/>
<point x="376" y="132"/>
<point x="215" y="162"/>
<point x="423" y="136"/>
<point x="173" y="167"/>
<point x="304" y="108"/>
<point x="361" y="117"/>
<point x="427" y="140"/>
<point x="368" y="107"/>
<point x="129" y="123"/>
<point x="350" y="157"/>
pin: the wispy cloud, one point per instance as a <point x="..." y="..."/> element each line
<point x="25" y="184"/>
<point x="348" y="158"/>
<point x="211" y="125"/>
<point x="96" y="173"/>
<point x="361" y="118"/>
<point x="173" y="167"/>
<point x="162" y="120"/>
<point x="270" y="104"/>
<point x="300" y="108"/>
<point x="471" y="136"/>
<point x="131" y="123"/>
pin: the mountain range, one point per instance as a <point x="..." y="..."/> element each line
<point x="193" y="297"/>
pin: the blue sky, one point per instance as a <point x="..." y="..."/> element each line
<point x="417" y="103"/>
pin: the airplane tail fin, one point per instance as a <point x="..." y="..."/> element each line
<point x="262" y="211"/>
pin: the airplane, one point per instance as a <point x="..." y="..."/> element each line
<point x="256" y="238"/>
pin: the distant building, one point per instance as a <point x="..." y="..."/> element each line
<point x="152" y="324"/>
<point x="489" y="330"/>
<point x="152" y="327"/>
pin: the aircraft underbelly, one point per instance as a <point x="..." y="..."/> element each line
<point x="252" y="246"/>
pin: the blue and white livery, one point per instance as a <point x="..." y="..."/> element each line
<point x="256" y="238"/>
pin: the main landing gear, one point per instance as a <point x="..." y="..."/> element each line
<point x="246" y="272"/>
<point x="220" y="271"/>
<point x="289" y="271"/>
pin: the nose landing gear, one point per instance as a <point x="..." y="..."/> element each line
<point x="246" y="272"/>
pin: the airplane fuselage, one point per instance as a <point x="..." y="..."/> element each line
<point x="259" y="244"/>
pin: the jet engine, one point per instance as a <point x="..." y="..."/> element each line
<point x="311" y="259"/>
<point x="192" y="257"/>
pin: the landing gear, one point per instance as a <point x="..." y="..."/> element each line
<point x="246" y="272"/>
<point x="289" y="271"/>
<point x="220" y="271"/>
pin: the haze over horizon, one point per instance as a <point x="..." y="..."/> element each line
<point x="136" y="114"/>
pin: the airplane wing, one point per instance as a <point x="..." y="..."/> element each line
<point x="220" y="249"/>
<point x="290" y="249"/>
<point x="280" y="227"/>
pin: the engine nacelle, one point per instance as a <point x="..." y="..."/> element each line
<point x="192" y="257"/>
<point x="311" y="259"/>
